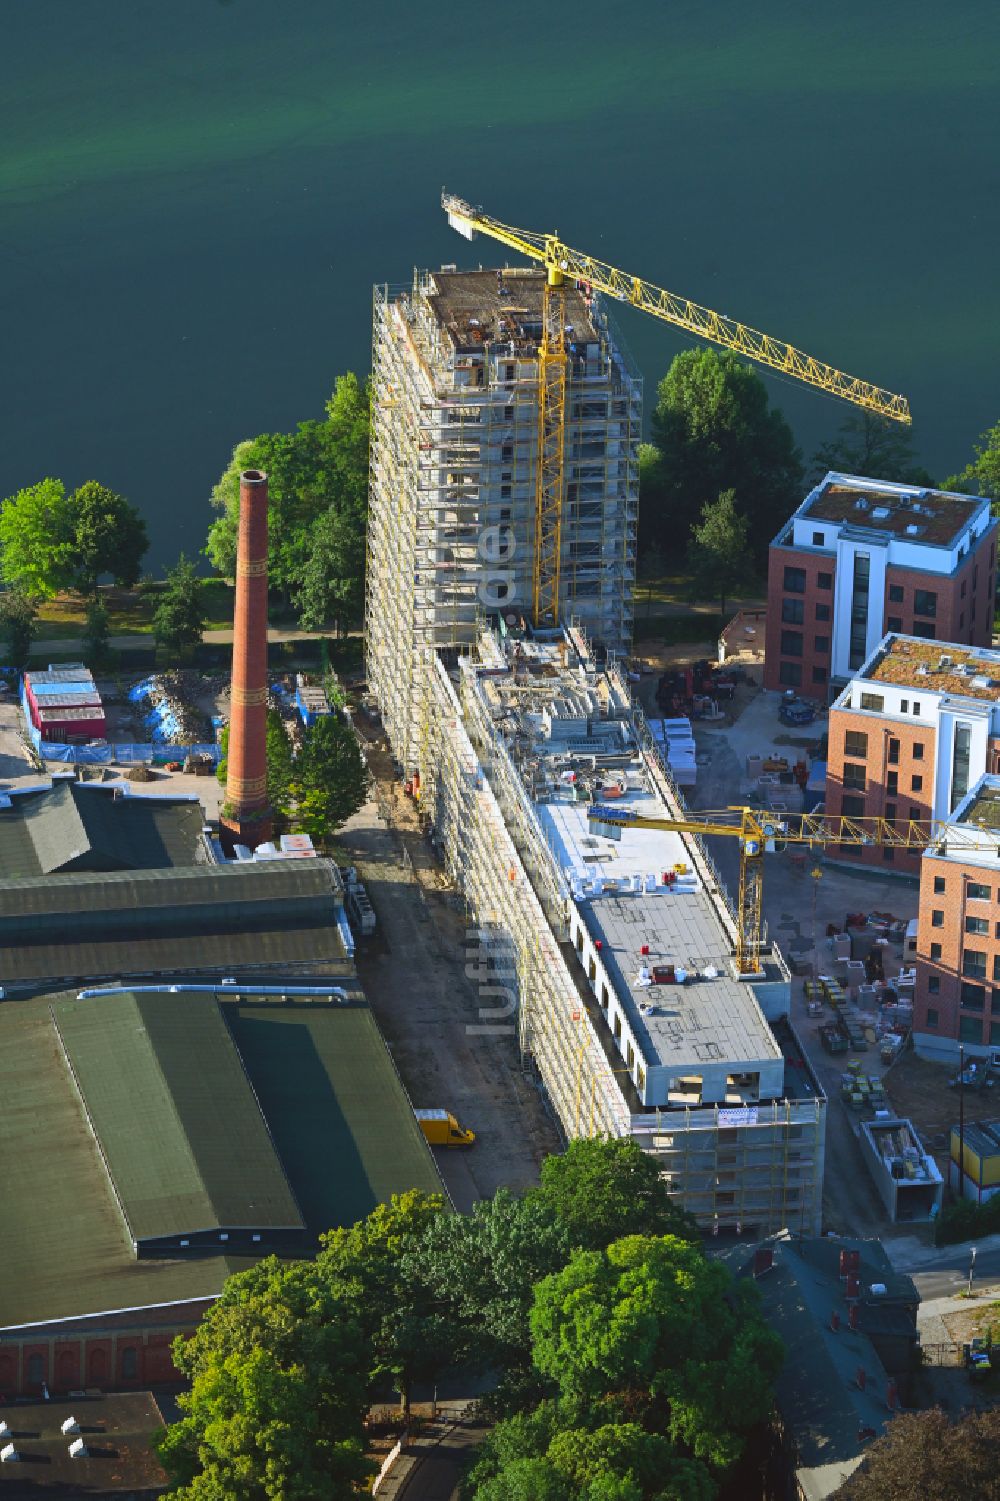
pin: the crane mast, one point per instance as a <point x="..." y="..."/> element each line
<point x="562" y="264"/>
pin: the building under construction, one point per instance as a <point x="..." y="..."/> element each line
<point x="455" y="443"/>
<point x="611" y="962"/>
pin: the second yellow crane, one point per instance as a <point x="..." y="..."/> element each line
<point x="562" y="263"/>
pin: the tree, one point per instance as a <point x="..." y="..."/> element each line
<point x="601" y="1190"/>
<point x="109" y="536"/>
<point x="652" y="566"/>
<point x="874" y="447"/>
<point x="718" y="553"/>
<point x="179" y="618"/>
<point x="19" y="617"/>
<point x="96" y="633"/>
<point x="368" y="1265"/>
<point x="36" y="540"/>
<point x="982" y="476"/>
<point x="330" y="776"/>
<point x="715" y="430"/>
<point x="317" y="500"/>
<point x="278" y="748"/>
<point x="278" y="1393"/>
<point x="925" y="1454"/>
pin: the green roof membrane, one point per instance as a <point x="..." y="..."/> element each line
<point x="175" y="1117"/>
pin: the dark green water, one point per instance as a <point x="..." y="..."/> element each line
<point x="196" y="196"/>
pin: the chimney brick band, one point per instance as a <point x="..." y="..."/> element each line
<point x="248" y="696"/>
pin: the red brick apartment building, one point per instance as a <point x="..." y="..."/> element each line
<point x="957" y="994"/>
<point x="908" y="737"/>
<point x="861" y="557"/>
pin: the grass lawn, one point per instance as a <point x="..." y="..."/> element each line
<point x="130" y="611"/>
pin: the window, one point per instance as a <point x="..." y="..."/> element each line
<point x="894" y="623"/>
<point x="977" y="891"/>
<point x="856" y="744"/>
<point x="821" y="643"/>
<point x="961" y="621"/>
<point x="889" y="855"/>
<point x="893" y="751"/>
<point x="890" y="812"/>
<point x="819" y="538"/>
<point x="926" y="632"/>
<point x="617" y="1028"/>
<point x="934" y="984"/>
<point x="852" y="807"/>
<point x="917" y="749"/>
<point x="925" y="602"/>
<point x="973" y="997"/>
<point x="640" y="1078"/>
<point x="960" y="764"/>
<point x="937" y="918"/>
<point x="939" y="883"/>
<point x="932" y="1016"/>
<point x="35" y="1370"/>
<point x="855" y="776"/>
<point x="970" y="1029"/>
<point x="873" y="701"/>
<point x="914" y="814"/>
<point x="505" y="492"/>
<point x="963" y="588"/>
<point x="859" y="609"/>
<point x="791" y="643"/>
<point x="996" y="966"/>
<point x="974" y="963"/>
<point x="792" y="611"/>
<point x="795" y="580"/>
<point x="822" y="612"/>
<point x="790" y="674"/>
<point x="904" y="706"/>
<point x="819" y="674"/>
<point x="130" y="1363"/>
<point x="892" y="782"/>
<point x="896" y="594"/>
<point x="916" y="784"/>
<point x="979" y="925"/>
<point x="994" y="1032"/>
<point x="824" y="580"/>
<point x="935" y="951"/>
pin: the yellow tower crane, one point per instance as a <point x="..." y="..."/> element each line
<point x="760" y="832"/>
<point x="563" y="264"/>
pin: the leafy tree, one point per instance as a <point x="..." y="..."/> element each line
<point x="982" y="476"/>
<point x="330" y="776"/>
<point x="96" y="633"/>
<point x="652" y="566"/>
<point x="873" y="447"/>
<point x="527" y="1480"/>
<point x="602" y="1190"/>
<point x="36" y="540"/>
<point x="369" y="1267"/>
<point x="718" y="553"/>
<point x="179" y="618"/>
<point x="19" y="618"/>
<point x="925" y="1454"/>
<point x="278" y="1395"/>
<point x="109" y="536"/>
<point x="320" y="468"/>
<point x="715" y="430"/>
<point x="482" y="1268"/>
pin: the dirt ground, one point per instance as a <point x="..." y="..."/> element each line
<point x="919" y="1089"/>
<point x="414" y="973"/>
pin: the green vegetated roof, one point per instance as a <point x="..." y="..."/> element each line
<point x="69" y="826"/>
<point x="179" y="1128"/>
<point x="64" y="1249"/>
<point x="168" y="921"/>
<point x="335" y="1104"/>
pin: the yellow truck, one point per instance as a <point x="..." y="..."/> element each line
<point x="442" y="1129"/>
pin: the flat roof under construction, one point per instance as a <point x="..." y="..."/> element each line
<point x="489" y="307"/>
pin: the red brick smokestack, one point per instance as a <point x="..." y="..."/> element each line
<point x="246" y="817"/>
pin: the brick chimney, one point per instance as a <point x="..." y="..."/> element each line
<point x="246" y="817"/>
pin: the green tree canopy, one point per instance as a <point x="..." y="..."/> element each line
<point x="317" y="503"/>
<point x="19" y="622"/>
<point x="96" y="634"/>
<point x="278" y="1393"/>
<point x="179" y="618"/>
<point x="330" y="779"/>
<point x="928" y="1455"/>
<point x="982" y="475"/>
<point x="109" y="537"/>
<point x="873" y="447"/>
<point x="602" y="1190"/>
<point x="718" y="557"/>
<point x="715" y="430"/>
<point x="36" y="540"/>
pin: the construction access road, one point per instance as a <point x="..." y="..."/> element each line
<point x="419" y="974"/>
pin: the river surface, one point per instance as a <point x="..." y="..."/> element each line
<point x="197" y="195"/>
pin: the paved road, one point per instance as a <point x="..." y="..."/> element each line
<point x="437" y="1474"/>
<point x="948" y="1273"/>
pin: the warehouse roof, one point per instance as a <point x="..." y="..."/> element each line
<point x="339" y="1120"/>
<point x="116" y="1428"/>
<point x="79" y="826"/>
<point x="160" y="921"/>
<point x="178" y="1126"/>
